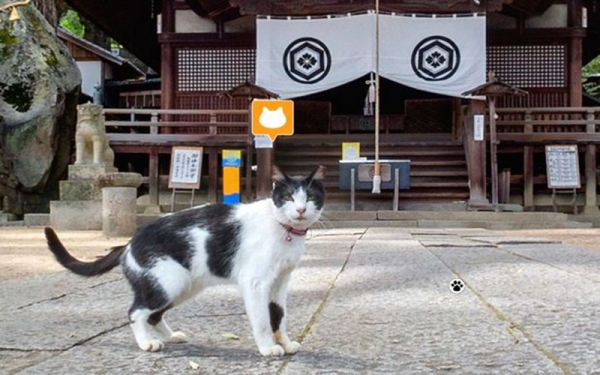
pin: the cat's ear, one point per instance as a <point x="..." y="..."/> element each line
<point x="265" y="110"/>
<point x="317" y="174"/>
<point x="278" y="175"/>
<point x="280" y="110"/>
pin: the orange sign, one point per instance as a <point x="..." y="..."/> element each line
<point x="272" y="118"/>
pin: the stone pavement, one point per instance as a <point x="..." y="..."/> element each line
<point x="363" y="301"/>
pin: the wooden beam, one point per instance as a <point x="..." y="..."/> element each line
<point x="476" y="159"/>
<point x="528" y="154"/>
<point x="591" y="204"/>
<point x="528" y="179"/>
<point x="295" y="7"/>
<point x="178" y="139"/>
<point x="168" y="56"/>
<point x="213" y="174"/>
<point x="153" y="177"/>
<point x="575" y="14"/>
<point x="533" y="36"/>
<point x="493" y="151"/>
<point x="210" y="39"/>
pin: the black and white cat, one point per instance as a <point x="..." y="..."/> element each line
<point x="255" y="245"/>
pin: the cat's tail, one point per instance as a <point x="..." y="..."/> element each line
<point x="74" y="265"/>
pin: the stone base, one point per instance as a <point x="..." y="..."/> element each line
<point x="76" y="215"/>
<point x="89" y="171"/>
<point x="6" y="217"/>
<point x="119" y="211"/>
<point x="79" y="190"/>
<point x="36" y="220"/>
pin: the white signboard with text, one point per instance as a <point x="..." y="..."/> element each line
<point x="562" y="166"/>
<point x="186" y="167"/>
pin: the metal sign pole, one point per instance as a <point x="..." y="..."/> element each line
<point x="377" y="167"/>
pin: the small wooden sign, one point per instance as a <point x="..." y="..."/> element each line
<point x="186" y="168"/>
<point x="562" y="166"/>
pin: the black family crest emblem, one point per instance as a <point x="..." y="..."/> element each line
<point x="307" y="60"/>
<point x="435" y="58"/>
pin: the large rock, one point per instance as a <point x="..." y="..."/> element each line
<point x="39" y="86"/>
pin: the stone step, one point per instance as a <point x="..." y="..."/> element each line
<point x="6" y="217"/>
<point x="76" y="215"/>
<point x="89" y="171"/>
<point x="79" y="190"/>
<point x="434" y="219"/>
<point x="36" y="220"/>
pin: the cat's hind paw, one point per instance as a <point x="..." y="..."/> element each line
<point x="151" y="345"/>
<point x="272" y="351"/>
<point x="292" y="347"/>
<point x="178" y="337"/>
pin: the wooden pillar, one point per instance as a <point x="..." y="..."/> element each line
<point x="591" y="205"/>
<point x="168" y="57"/>
<point x="457" y="119"/>
<point x="167" y="95"/>
<point x="476" y="159"/>
<point x="575" y="14"/>
<point x="493" y="152"/>
<point x="213" y="174"/>
<point x="153" y="178"/>
<point x="264" y="161"/>
<point x="528" y="204"/>
<point x="249" y="194"/>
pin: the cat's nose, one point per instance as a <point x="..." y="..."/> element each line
<point x="301" y="210"/>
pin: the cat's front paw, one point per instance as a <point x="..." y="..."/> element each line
<point x="151" y="345"/>
<point x="272" y="351"/>
<point x="292" y="347"/>
<point x="178" y="336"/>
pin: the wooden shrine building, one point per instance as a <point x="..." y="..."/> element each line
<point x="204" y="48"/>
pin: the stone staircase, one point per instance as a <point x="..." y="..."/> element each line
<point x="439" y="178"/>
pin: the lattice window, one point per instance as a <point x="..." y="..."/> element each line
<point x="529" y="66"/>
<point x="213" y="69"/>
<point x="428" y="116"/>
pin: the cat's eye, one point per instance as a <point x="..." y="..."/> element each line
<point x="288" y="197"/>
<point x="311" y="197"/>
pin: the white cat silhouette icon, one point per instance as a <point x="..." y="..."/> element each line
<point x="272" y="119"/>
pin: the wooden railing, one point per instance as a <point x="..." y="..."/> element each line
<point x="542" y="125"/>
<point x="155" y="131"/>
<point x="177" y="127"/>
<point x="534" y="127"/>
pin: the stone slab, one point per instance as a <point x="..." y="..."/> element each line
<point x="76" y="215"/>
<point x="366" y="224"/>
<point x="392" y="312"/>
<point x="88" y="171"/>
<point x="349" y="215"/>
<point x="492" y="224"/>
<point x="362" y="301"/>
<point x="36" y="220"/>
<point x="215" y="312"/>
<point x="512" y="240"/>
<point x="546" y="217"/>
<point x="546" y="303"/>
<point x="79" y="190"/>
<point x="6" y="217"/>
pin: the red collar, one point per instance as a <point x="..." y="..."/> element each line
<point x="291" y="230"/>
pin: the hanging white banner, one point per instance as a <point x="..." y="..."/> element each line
<point x="298" y="57"/>
<point x="443" y="55"/>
